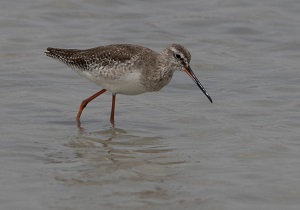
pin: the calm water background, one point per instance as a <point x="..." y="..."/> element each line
<point x="172" y="149"/>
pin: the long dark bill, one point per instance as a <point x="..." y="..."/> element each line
<point x="189" y="71"/>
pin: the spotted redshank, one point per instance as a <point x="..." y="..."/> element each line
<point x="126" y="69"/>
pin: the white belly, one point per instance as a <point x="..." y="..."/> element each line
<point x="129" y="84"/>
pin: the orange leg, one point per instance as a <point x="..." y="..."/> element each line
<point x="85" y="102"/>
<point x="112" y="114"/>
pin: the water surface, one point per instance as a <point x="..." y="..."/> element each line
<point x="172" y="149"/>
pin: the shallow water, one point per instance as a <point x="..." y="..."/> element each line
<point x="172" y="149"/>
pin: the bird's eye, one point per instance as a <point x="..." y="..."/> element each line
<point x="177" y="56"/>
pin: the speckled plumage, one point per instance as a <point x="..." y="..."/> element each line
<point x="125" y="68"/>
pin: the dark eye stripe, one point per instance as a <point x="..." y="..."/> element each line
<point x="177" y="56"/>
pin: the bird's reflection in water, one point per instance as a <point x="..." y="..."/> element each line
<point x="113" y="155"/>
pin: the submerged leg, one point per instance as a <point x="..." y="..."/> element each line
<point x="85" y="102"/>
<point x="112" y="114"/>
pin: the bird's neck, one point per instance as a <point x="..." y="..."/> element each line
<point x="165" y="66"/>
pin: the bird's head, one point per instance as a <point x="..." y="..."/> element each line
<point x="180" y="58"/>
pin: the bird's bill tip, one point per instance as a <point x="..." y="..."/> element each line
<point x="191" y="74"/>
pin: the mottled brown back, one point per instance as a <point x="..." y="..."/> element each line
<point x="104" y="56"/>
